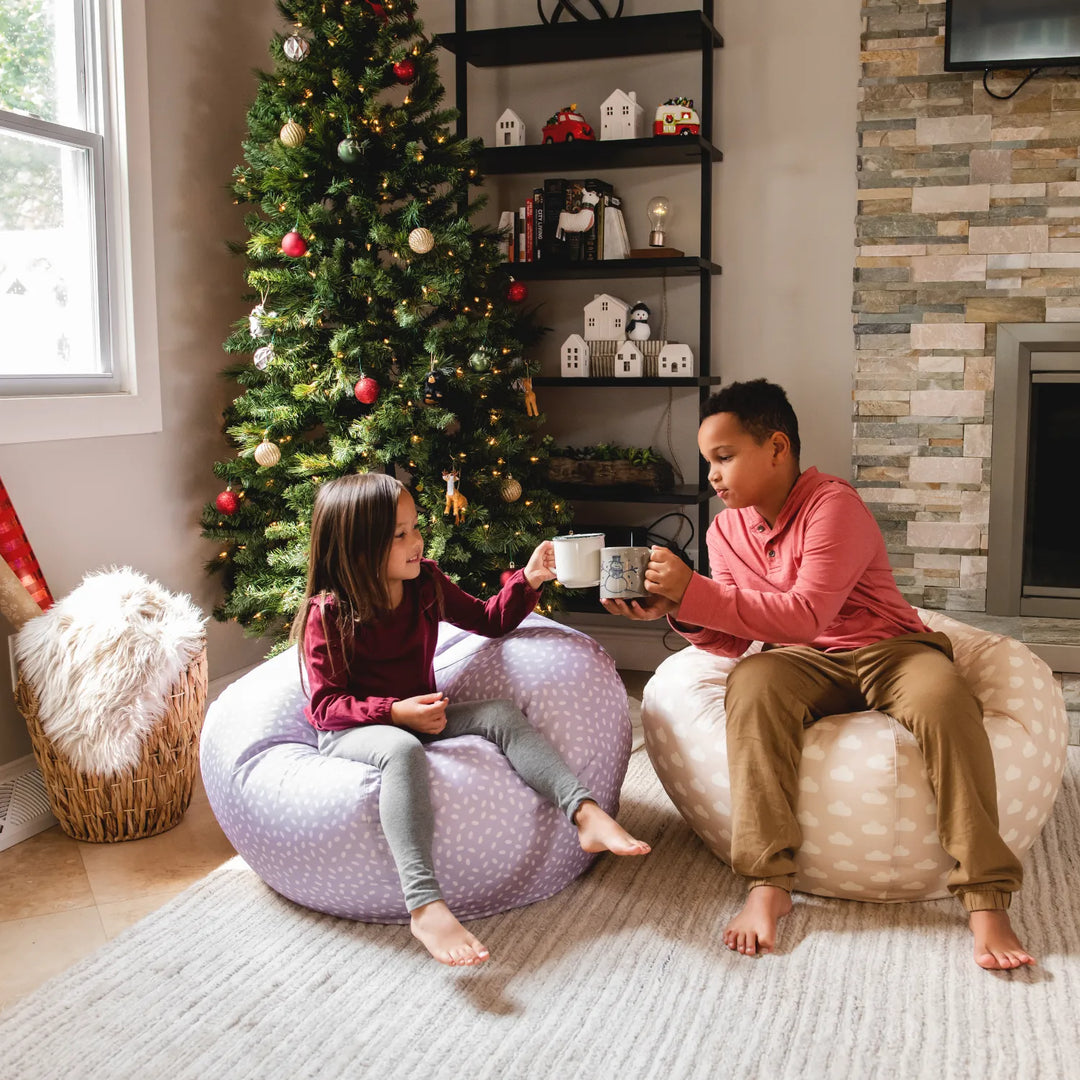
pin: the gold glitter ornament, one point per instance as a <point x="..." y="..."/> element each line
<point x="292" y="134"/>
<point x="421" y="241"/>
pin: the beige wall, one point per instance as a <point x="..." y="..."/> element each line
<point x="786" y="84"/>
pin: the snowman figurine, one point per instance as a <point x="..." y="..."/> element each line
<point x="637" y="323"/>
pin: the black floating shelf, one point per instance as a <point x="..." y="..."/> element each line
<point x="604" y="268"/>
<point x="635" y="35"/>
<point x="590" y="155"/>
<point x="576" y="383"/>
<point x="683" y="495"/>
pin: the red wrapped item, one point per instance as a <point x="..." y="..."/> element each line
<point x="18" y="554"/>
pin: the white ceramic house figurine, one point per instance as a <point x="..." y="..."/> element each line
<point x="575" y="357"/>
<point x="620" y="116"/>
<point x="605" y="318"/>
<point x="675" y="360"/>
<point x="629" y="361"/>
<point x="510" y="129"/>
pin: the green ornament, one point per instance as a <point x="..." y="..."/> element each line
<point x="349" y="150"/>
<point x="480" y="360"/>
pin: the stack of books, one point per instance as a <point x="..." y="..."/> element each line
<point x="566" y="221"/>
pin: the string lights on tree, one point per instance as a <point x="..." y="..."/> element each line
<point x="383" y="321"/>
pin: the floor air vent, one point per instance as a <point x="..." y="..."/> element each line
<point x="24" y="804"/>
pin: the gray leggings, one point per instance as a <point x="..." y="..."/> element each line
<point x="404" y="799"/>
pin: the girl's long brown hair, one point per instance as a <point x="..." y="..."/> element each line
<point x="352" y="528"/>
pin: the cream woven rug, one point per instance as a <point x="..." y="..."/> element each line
<point x="619" y="976"/>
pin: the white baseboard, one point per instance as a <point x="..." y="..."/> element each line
<point x="215" y="686"/>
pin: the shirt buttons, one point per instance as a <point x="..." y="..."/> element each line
<point x="772" y="553"/>
<point x="761" y="528"/>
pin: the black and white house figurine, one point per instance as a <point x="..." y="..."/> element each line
<point x="616" y="340"/>
<point x="637" y="326"/>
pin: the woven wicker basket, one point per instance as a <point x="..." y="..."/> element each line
<point x="142" y="800"/>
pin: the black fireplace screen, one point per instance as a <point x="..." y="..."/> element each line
<point x="1052" y="521"/>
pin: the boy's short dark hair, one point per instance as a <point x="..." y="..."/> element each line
<point x="762" y="408"/>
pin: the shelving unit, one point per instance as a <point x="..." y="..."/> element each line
<point x="629" y="36"/>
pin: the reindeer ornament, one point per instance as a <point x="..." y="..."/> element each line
<point x="456" y="503"/>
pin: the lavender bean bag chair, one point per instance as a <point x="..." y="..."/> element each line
<point x="309" y="825"/>
<point x="865" y="804"/>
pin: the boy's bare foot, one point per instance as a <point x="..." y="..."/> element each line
<point x="753" y="930"/>
<point x="436" y="928"/>
<point x="599" y="831"/>
<point x="996" y="945"/>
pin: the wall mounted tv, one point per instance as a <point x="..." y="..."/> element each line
<point x="1011" y="33"/>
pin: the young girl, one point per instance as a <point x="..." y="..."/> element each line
<point x="368" y="628"/>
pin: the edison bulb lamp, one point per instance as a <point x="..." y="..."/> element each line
<point x="659" y="211"/>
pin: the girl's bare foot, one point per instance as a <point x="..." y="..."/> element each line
<point x="436" y="928"/>
<point x="599" y="831"/>
<point x="753" y="930"/>
<point x="996" y="945"/>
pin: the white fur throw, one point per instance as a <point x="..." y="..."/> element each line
<point x="102" y="661"/>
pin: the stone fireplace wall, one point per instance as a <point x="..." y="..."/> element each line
<point x="968" y="217"/>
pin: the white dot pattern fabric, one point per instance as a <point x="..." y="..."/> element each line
<point x="309" y="825"/>
<point x="865" y="805"/>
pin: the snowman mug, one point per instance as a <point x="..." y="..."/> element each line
<point x="622" y="572"/>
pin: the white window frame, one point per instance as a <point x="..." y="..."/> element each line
<point x="135" y="406"/>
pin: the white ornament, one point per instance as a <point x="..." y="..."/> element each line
<point x="421" y="241"/>
<point x="296" y="47"/>
<point x="255" y="321"/>
<point x="263" y="357"/>
<point x="267" y="454"/>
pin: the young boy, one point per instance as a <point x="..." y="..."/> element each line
<point x="799" y="563"/>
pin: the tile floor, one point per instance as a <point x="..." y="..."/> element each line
<point x="62" y="898"/>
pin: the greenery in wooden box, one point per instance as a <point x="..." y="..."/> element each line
<point x="610" y="464"/>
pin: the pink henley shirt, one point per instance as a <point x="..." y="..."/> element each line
<point x="819" y="576"/>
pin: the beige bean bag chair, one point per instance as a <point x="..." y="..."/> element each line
<point x="865" y="804"/>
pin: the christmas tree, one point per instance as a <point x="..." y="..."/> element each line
<point x="386" y="332"/>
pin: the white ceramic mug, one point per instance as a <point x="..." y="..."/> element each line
<point x="577" y="559"/>
<point x="622" y="572"/>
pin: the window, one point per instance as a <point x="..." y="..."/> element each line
<point x="76" y="274"/>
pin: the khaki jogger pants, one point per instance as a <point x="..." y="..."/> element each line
<point x="774" y="694"/>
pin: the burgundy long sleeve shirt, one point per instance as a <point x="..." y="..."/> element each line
<point x="357" y="681"/>
<point x="819" y="576"/>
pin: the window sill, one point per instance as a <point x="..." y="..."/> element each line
<point x="80" y="416"/>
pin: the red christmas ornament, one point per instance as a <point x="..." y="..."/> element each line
<point x="517" y="292"/>
<point x="292" y="243"/>
<point x="227" y="503"/>
<point x="366" y="390"/>
<point x="505" y="576"/>
<point x="378" y="10"/>
<point x="405" y="71"/>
